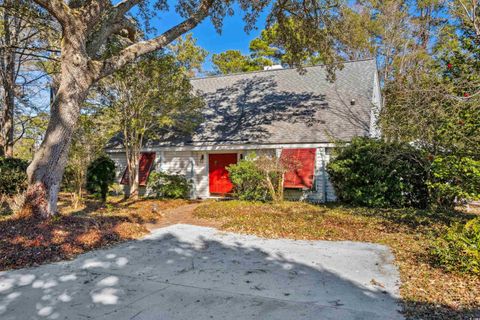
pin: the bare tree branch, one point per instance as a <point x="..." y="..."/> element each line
<point x="471" y="14"/>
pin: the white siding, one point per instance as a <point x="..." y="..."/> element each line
<point x="324" y="191"/>
<point x="189" y="164"/>
<point x="193" y="166"/>
<point x="120" y="164"/>
<point x="175" y="162"/>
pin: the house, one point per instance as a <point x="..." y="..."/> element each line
<point x="279" y="112"/>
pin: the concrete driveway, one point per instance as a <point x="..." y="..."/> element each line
<point x="196" y="273"/>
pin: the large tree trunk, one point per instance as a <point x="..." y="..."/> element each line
<point x="9" y="99"/>
<point x="8" y="83"/>
<point x="48" y="165"/>
<point x="6" y="126"/>
<point x="78" y="73"/>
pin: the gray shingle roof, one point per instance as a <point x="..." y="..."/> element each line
<point x="283" y="106"/>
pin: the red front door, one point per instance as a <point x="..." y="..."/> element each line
<point x="218" y="174"/>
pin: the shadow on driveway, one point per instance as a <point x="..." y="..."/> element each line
<point x="191" y="272"/>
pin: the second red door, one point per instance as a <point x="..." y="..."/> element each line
<point x="219" y="181"/>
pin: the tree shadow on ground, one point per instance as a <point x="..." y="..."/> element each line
<point x="194" y="277"/>
<point x="409" y="219"/>
<point x="430" y="311"/>
<point x="182" y="278"/>
<point x="29" y="240"/>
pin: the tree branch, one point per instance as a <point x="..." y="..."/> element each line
<point x="125" y="5"/>
<point x="29" y="54"/>
<point x="133" y="51"/>
<point x="106" y="30"/>
<point x="113" y="21"/>
<point x="57" y="8"/>
<point x="471" y="15"/>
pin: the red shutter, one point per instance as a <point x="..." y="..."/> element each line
<point x="145" y="165"/>
<point x="302" y="175"/>
<point x="146" y="162"/>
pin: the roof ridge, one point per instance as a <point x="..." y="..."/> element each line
<point x="275" y="70"/>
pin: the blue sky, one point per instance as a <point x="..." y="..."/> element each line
<point x="233" y="35"/>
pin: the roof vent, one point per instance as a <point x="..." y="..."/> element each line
<point x="352" y="102"/>
<point x="274" y="67"/>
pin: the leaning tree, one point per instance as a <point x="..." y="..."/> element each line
<point x="88" y="26"/>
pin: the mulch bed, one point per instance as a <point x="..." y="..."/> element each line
<point x="30" y="241"/>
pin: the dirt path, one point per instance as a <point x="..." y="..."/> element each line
<point x="181" y="215"/>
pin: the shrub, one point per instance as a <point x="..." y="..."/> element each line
<point x="13" y="176"/>
<point x="248" y="180"/>
<point x="374" y="173"/>
<point x="100" y="175"/>
<point x="68" y="179"/>
<point x="454" y="178"/>
<point x="459" y="248"/>
<point x="171" y="186"/>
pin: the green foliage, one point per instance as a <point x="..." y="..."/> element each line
<point x="33" y="129"/>
<point x="248" y="180"/>
<point x="454" y="178"/>
<point x="171" y="186"/>
<point x="87" y="144"/>
<point x="69" y="179"/>
<point x="100" y="175"/>
<point x="188" y="54"/>
<point x="374" y="173"/>
<point x="148" y="99"/>
<point x="378" y="174"/>
<point x="273" y="47"/>
<point x="434" y="113"/>
<point x="13" y="176"/>
<point x="232" y="61"/>
<point x="151" y="95"/>
<point x="459" y="248"/>
<point x="435" y="102"/>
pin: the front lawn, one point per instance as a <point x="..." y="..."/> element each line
<point x="428" y="292"/>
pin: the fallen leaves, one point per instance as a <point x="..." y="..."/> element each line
<point x="28" y="241"/>
<point x="427" y="292"/>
